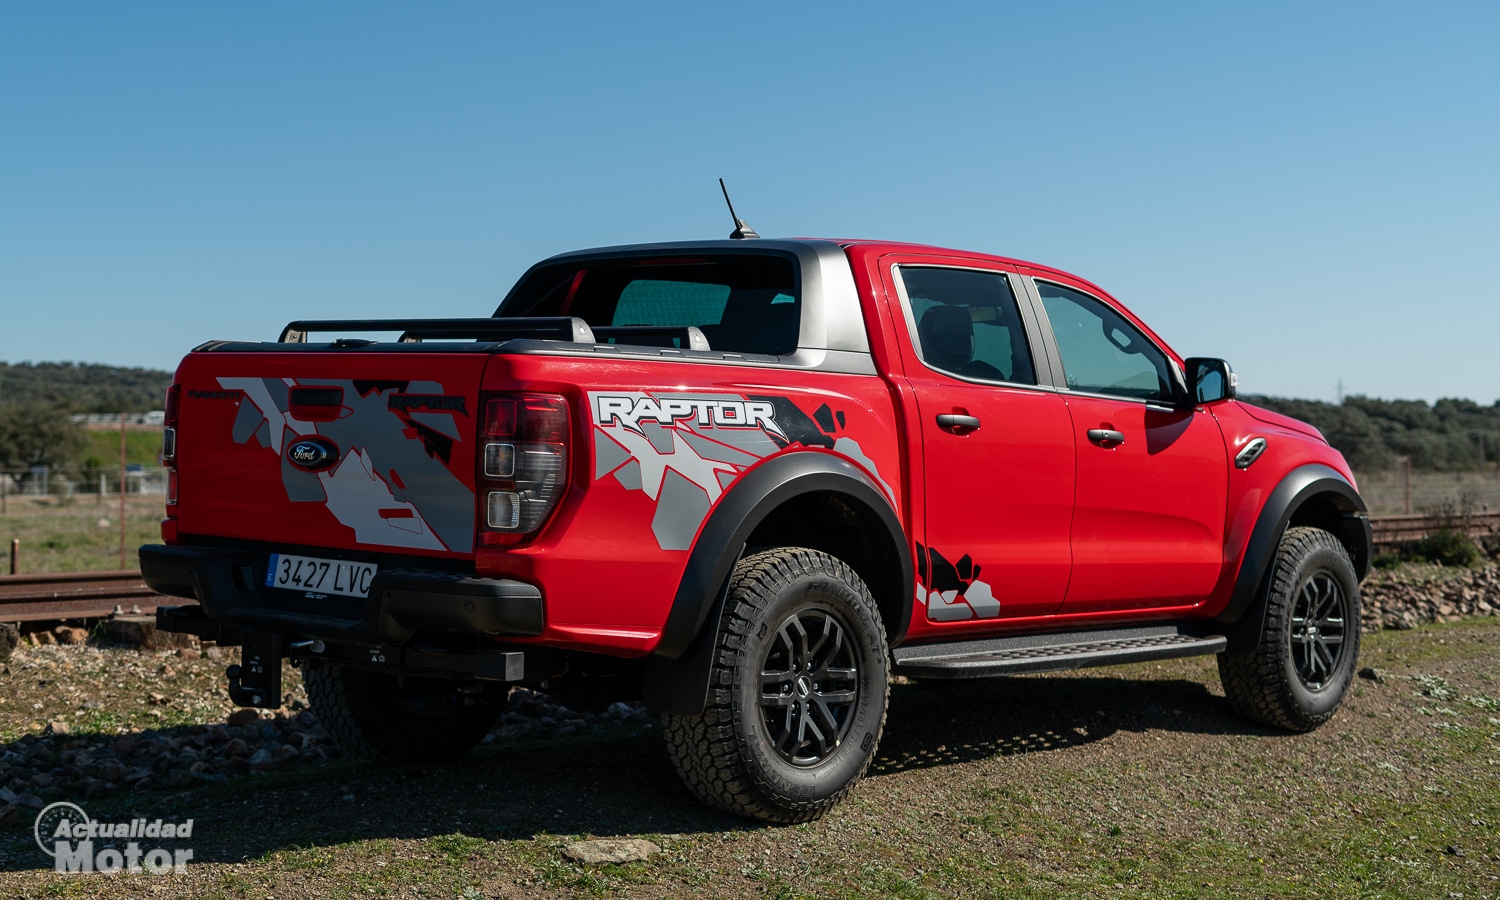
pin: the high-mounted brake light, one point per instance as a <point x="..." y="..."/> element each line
<point x="523" y="464"/>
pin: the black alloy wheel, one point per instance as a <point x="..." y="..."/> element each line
<point x="1296" y="674"/>
<point x="796" y="694"/>
<point x="1318" y="621"/>
<point x="809" y="686"/>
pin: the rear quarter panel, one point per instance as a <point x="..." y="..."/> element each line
<point x="656" y="446"/>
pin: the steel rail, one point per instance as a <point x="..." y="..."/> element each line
<point x="1393" y="530"/>
<point x="74" y="595"/>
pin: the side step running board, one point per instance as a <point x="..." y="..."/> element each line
<point x="1051" y="652"/>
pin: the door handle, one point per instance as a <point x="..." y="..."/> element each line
<point x="957" y="424"/>
<point x="1106" y="437"/>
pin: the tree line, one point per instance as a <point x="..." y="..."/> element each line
<point x="84" y="387"/>
<point x="1450" y="435"/>
<point x="38" y="400"/>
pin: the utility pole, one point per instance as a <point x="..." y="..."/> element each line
<point x="1341" y="392"/>
<point x="122" y="491"/>
<point x="1406" y="460"/>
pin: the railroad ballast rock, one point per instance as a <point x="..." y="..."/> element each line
<point x="1415" y="595"/>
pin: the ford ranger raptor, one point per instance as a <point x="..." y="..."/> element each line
<point x="746" y="482"/>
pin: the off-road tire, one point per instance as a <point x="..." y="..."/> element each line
<point x="376" y="716"/>
<point x="1263" y="684"/>
<point x="728" y="755"/>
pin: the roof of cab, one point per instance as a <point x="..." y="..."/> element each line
<point x="865" y="245"/>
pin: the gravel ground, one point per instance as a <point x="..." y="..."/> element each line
<point x="1132" y="781"/>
<point x="86" y="721"/>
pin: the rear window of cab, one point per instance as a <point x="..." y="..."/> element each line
<point x="741" y="303"/>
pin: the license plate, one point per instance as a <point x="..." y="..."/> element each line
<point x="320" y="576"/>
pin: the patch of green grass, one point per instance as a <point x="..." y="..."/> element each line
<point x="298" y="859"/>
<point x="458" y="846"/>
<point x="141" y="447"/>
<point x="79" y="534"/>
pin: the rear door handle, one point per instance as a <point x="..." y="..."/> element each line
<point x="956" y="423"/>
<point x="1106" y="437"/>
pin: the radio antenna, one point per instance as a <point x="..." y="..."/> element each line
<point x="741" y="230"/>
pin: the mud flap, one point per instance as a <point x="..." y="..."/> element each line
<point x="256" y="681"/>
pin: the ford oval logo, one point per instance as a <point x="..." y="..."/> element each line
<point x="312" y="454"/>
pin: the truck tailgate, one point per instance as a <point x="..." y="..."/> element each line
<point x="369" y="451"/>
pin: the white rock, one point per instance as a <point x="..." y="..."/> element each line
<point x="593" y="853"/>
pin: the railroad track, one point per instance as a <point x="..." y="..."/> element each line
<point x="74" y="595"/>
<point x="1394" y="530"/>
<point x="82" y="595"/>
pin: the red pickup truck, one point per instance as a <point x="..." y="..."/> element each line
<point x="747" y="481"/>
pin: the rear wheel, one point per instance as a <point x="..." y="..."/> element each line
<point x="1309" y="645"/>
<point x="378" y="716"/>
<point x="797" y="693"/>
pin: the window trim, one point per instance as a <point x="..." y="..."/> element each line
<point x="1029" y="326"/>
<point x="1060" y="381"/>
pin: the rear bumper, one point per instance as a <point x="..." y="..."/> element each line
<point x="403" y="602"/>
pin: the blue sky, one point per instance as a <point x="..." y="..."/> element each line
<point x="1310" y="190"/>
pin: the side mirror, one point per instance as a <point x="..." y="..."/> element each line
<point x="1211" y="379"/>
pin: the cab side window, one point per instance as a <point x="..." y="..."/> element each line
<point x="1102" y="353"/>
<point x="967" y="323"/>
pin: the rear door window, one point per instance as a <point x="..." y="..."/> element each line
<point x="967" y="323"/>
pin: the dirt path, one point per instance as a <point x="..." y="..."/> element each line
<point x="1132" y="781"/>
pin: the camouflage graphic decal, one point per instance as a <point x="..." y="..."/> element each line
<point x="684" y="450"/>
<point x="391" y="485"/>
<point x="953" y="592"/>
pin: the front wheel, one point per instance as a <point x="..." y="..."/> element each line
<point x="797" y="693"/>
<point x="1309" y="645"/>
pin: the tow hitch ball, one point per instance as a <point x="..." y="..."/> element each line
<point x="256" y="681"/>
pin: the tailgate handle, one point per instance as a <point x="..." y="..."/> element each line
<point x="317" y="404"/>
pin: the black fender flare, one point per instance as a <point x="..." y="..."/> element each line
<point x="676" y="673"/>
<point x="1244" y="615"/>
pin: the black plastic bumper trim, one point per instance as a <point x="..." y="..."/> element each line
<point x="402" y="602"/>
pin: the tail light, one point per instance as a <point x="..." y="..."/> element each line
<point x="523" y="464"/>
<point x="169" y="441"/>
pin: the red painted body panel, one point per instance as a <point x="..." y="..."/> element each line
<point x="1286" y="449"/>
<point x="1002" y="493"/>
<point x="1148" y="525"/>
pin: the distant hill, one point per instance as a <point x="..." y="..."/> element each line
<point x="84" y="387"/>
<point x="1447" y="436"/>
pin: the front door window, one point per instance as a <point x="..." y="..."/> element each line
<point x="1102" y="353"/>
